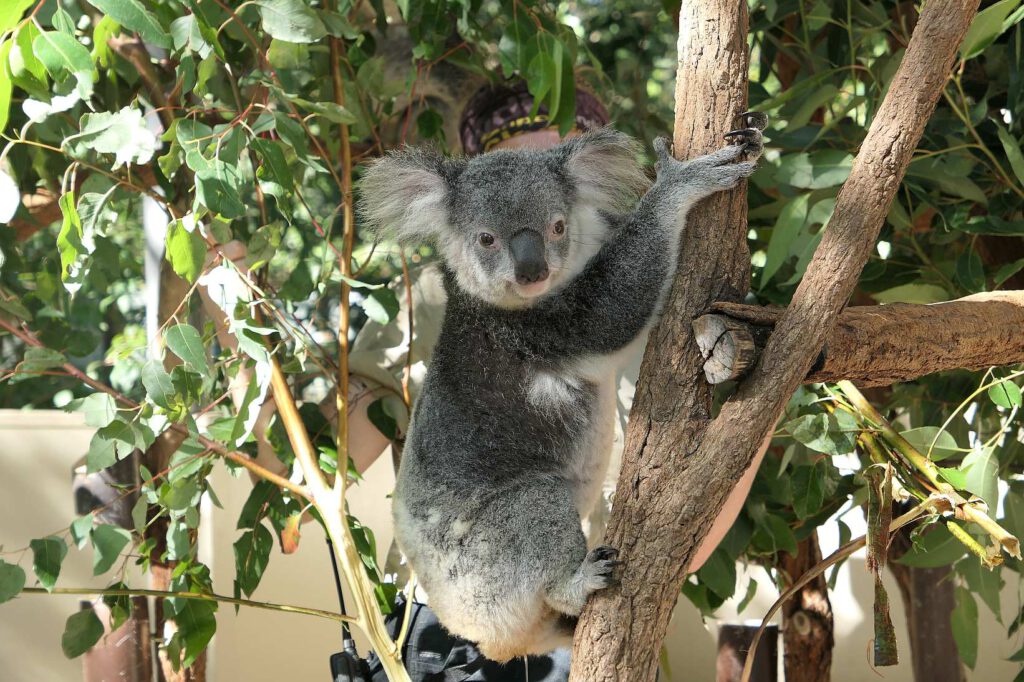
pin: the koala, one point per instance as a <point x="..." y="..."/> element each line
<point x="553" y="265"/>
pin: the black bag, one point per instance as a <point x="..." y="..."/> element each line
<point x="432" y="654"/>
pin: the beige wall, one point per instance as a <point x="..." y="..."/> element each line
<point x="38" y="449"/>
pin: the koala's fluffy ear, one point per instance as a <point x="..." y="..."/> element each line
<point x="403" y="195"/>
<point x="603" y="166"/>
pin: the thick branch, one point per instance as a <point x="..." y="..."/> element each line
<point x="881" y="345"/>
<point x="677" y="468"/>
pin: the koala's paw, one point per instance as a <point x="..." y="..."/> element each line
<point x="749" y="140"/>
<point x="599" y="568"/>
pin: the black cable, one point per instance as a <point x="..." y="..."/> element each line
<point x="346" y="635"/>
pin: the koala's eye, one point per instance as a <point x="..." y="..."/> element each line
<point x="558" y="229"/>
<point x="486" y="239"/>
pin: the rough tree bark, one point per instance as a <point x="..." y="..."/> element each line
<point x="885" y="344"/>
<point x="679" y="465"/>
<point x="806" y="618"/>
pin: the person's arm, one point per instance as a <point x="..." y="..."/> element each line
<point x="730" y="511"/>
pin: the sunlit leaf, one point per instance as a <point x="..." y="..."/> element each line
<point x="291" y="20"/>
<point x="135" y="17"/>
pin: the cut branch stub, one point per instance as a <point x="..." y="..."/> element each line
<point x="884" y="344"/>
<point x="727" y="346"/>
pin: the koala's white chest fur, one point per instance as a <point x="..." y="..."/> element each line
<point x="587" y="463"/>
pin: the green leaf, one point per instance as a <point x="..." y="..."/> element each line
<point x="81" y="528"/>
<point x="135" y="17"/>
<point x="922" y="438"/>
<point x="291" y="20"/>
<point x="188" y="36"/>
<point x="808" y="490"/>
<point x="789" y="224"/>
<point x="821" y="432"/>
<point x="12" y="581"/>
<point x="986" y="26"/>
<point x="1006" y="272"/>
<point x="970" y="271"/>
<point x="6" y="88"/>
<point x="99" y="409"/>
<point x="379" y="417"/>
<point x="11" y="11"/>
<point x="197" y="625"/>
<point x="107" y="543"/>
<point x="69" y="240"/>
<point x="158" y="384"/>
<point x="61" y="55"/>
<point x="185" y="342"/>
<point x="82" y="630"/>
<point x="991" y="224"/>
<point x="47" y="556"/>
<point x="219" y="188"/>
<point x="381" y="306"/>
<point x="1005" y="394"/>
<point x="912" y="293"/>
<point x="112" y="443"/>
<point x="252" y="553"/>
<point x="1010" y="146"/>
<point x="984" y="582"/>
<point x="41" y="359"/>
<point x="719" y="574"/>
<point x="122" y="133"/>
<point x="937" y="547"/>
<point x="274" y="162"/>
<point x="826" y="168"/>
<point x="826" y="94"/>
<point x="981" y="471"/>
<point x="186" y="251"/>
<point x="964" y="620"/>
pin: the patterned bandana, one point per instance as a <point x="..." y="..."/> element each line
<point x="499" y="112"/>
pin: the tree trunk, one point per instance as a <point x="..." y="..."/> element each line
<point x="881" y="344"/>
<point x="928" y="601"/>
<point x="679" y="466"/>
<point x="806" y="618"/>
<point x="620" y="633"/>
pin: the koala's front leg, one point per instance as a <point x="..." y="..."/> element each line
<point x="681" y="184"/>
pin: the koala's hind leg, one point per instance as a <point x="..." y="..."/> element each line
<point x="568" y="592"/>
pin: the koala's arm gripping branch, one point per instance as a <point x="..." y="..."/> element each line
<point x="679" y="465"/>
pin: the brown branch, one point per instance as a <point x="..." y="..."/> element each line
<point x="679" y="466"/>
<point x="133" y="51"/>
<point x="881" y="345"/>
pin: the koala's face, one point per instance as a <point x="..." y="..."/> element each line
<point x="514" y="228"/>
<point x="513" y="225"/>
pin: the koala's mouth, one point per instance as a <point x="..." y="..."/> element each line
<point x="532" y="290"/>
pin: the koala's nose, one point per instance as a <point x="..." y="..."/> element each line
<point x="528" y="257"/>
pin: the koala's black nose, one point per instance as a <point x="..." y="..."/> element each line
<point x="528" y="256"/>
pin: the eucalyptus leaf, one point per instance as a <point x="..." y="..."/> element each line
<point x="133" y="15"/>
<point x="47" y="556"/>
<point x="184" y="341"/>
<point x="11" y="11"/>
<point x="291" y="20"/>
<point x="107" y="543"/>
<point x="12" y="581"/>
<point x="81" y="632"/>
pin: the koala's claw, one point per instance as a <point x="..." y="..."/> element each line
<point x="600" y="567"/>
<point x="750" y="139"/>
<point x="753" y="119"/>
<point x="603" y="552"/>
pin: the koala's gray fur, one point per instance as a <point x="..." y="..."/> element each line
<point x="508" y="443"/>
